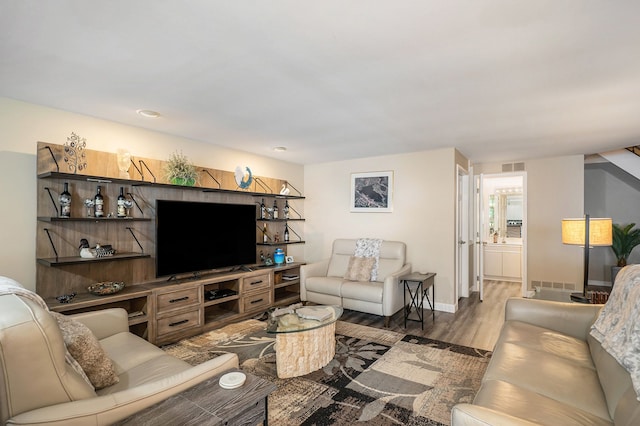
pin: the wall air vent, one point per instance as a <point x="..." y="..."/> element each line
<point x="513" y="167"/>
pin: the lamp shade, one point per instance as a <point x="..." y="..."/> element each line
<point x="600" y="233"/>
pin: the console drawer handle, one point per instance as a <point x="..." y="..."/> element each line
<point x="256" y="301"/>
<point x="173" y="324"/>
<point x="256" y="282"/>
<point x="180" y="299"/>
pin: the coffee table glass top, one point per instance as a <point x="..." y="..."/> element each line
<point x="303" y="319"/>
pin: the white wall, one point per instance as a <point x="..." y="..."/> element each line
<point x="423" y="211"/>
<point x="23" y="125"/>
<point x="554" y="191"/>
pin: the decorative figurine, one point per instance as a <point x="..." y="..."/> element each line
<point x="85" y="250"/>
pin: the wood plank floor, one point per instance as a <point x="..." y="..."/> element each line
<point x="476" y="324"/>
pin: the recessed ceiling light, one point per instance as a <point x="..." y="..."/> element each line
<point x="148" y="113"/>
<point x="280" y="148"/>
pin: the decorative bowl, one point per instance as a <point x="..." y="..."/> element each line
<point x="105" y="288"/>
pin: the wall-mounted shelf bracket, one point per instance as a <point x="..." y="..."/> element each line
<point x="136" y="238"/>
<point x="52" y="200"/>
<point x="53" y="156"/>
<point x="260" y="182"/>
<point x="142" y="163"/>
<point x="135" y="202"/>
<point x="53" y="246"/>
<point x="137" y="169"/>
<point x="214" y="179"/>
<point x="297" y="235"/>
<point x="295" y="211"/>
<point x="294" y="188"/>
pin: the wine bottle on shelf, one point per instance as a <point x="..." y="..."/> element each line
<point x="275" y="209"/>
<point x="286" y="233"/>
<point x="122" y="211"/>
<point x="98" y="204"/>
<point x="65" y="201"/>
<point x="263" y="210"/>
<point x="265" y="238"/>
<point x="285" y="210"/>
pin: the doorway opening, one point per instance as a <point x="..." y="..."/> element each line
<point x="501" y="229"/>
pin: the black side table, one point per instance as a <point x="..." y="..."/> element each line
<point x="417" y="286"/>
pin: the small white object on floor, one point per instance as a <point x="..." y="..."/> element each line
<point x="232" y="380"/>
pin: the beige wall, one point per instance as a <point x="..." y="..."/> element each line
<point x="554" y="191"/>
<point x="23" y="125"/>
<point x="423" y="212"/>
<point x="424" y="195"/>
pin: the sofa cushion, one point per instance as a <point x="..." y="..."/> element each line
<point x="535" y="408"/>
<point x="325" y="285"/>
<point x="338" y="265"/>
<point x="364" y="291"/>
<point x="545" y="373"/>
<point x="86" y="350"/>
<point x="549" y="341"/>
<point x="392" y="258"/>
<point x="359" y="268"/>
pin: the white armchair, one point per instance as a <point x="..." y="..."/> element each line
<point x="324" y="283"/>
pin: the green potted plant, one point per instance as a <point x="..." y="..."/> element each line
<point x="180" y="171"/>
<point x="625" y="239"/>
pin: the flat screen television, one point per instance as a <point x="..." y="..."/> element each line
<point x="193" y="237"/>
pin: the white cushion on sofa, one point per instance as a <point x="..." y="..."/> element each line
<point x="325" y="285"/>
<point x="362" y="290"/>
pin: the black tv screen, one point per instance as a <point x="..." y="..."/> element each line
<point x="197" y="236"/>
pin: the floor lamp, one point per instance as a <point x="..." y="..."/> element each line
<point x="588" y="233"/>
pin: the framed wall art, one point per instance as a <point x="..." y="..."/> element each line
<point x="372" y="192"/>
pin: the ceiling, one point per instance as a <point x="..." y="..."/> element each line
<point x="501" y="80"/>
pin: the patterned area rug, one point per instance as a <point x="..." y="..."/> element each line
<point x="378" y="377"/>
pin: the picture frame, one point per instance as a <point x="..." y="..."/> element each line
<point x="372" y="192"/>
<point x="288" y="259"/>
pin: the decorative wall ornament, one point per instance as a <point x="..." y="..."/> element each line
<point x="74" y="154"/>
<point x="243" y="176"/>
<point x="372" y="192"/>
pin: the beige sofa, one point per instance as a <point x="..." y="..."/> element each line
<point x="37" y="386"/>
<point x="324" y="283"/>
<point x="547" y="369"/>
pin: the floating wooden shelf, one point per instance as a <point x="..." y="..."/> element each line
<point x="74" y="260"/>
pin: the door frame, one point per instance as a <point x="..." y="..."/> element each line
<point x="462" y="234"/>
<point x="479" y="234"/>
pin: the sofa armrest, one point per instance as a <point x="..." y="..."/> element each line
<point x="316" y="269"/>
<point x="392" y="279"/>
<point x="113" y="407"/>
<point x="574" y="319"/>
<point x="393" y="292"/>
<point x="475" y="415"/>
<point x="105" y="322"/>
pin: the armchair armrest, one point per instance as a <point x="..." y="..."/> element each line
<point x="574" y="319"/>
<point x="475" y="415"/>
<point x="110" y="408"/>
<point x="105" y="322"/>
<point x="316" y="269"/>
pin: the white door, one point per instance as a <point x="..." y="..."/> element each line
<point x="479" y="220"/>
<point x="462" y="234"/>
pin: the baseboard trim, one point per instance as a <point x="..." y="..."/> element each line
<point x="443" y="307"/>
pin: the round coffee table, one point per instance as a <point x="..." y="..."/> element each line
<point x="304" y="344"/>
